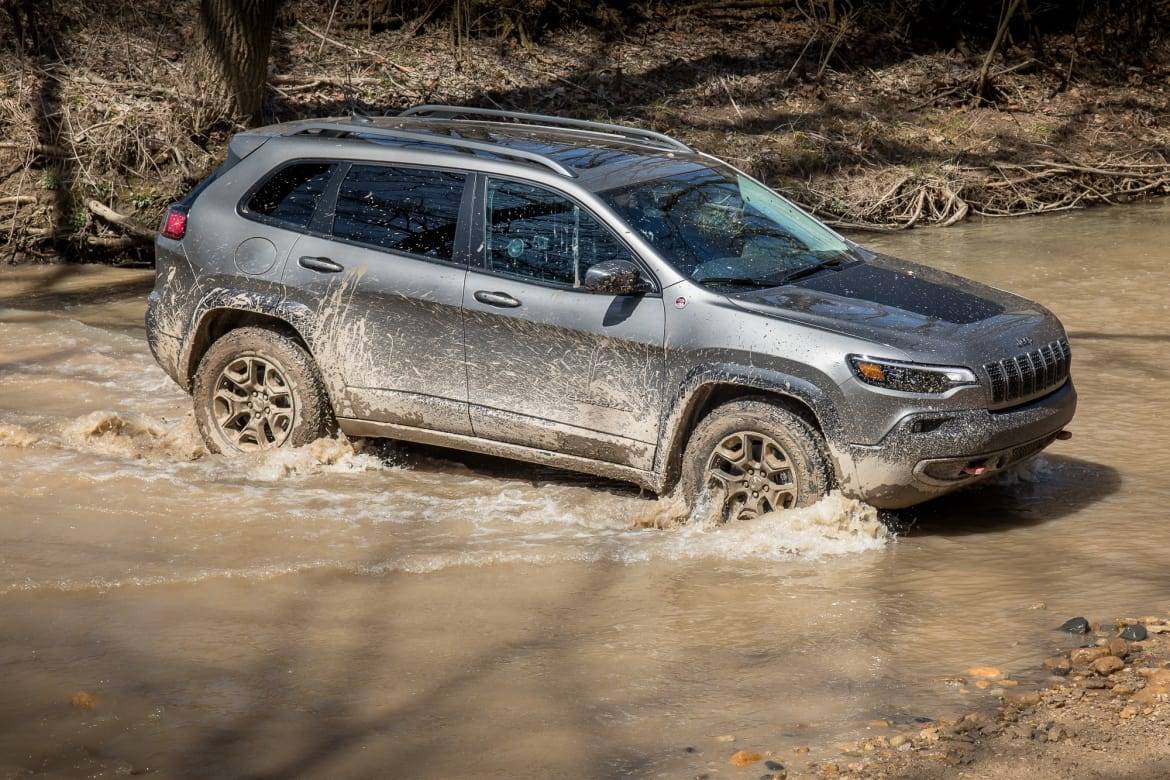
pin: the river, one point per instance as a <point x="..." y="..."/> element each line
<point x="405" y="611"/>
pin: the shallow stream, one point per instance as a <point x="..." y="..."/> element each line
<point x="404" y="611"/>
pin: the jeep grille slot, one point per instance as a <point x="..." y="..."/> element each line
<point x="1030" y="373"/>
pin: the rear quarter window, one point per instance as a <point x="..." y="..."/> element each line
<point x="291" y="194"/>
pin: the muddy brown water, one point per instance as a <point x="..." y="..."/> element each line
<point x="410" y="612"/>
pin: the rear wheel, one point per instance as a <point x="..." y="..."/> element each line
<point x="750" y="457"/>
<point x="258" y="389"/>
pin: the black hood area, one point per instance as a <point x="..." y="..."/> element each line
<point x="908" y="292"/>
<point x="927" y="313"/>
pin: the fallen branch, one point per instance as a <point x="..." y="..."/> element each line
<point x="42" y="150"/>
<point x="356" y="50"/>
<point x="114" y="242"/>
<point x="119" y="220"/>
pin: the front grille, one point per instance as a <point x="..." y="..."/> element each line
<point x="1026" y="375"/>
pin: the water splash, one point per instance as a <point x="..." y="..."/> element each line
<point x="130" y="435"/>
<point x="17" y="436"/>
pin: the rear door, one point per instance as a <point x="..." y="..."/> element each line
<point x="384" y="268"/>
<point x="550" y="364"/>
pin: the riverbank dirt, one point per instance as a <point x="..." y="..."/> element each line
<point x="1099" y="708"/>
<point x="859" y="122"/>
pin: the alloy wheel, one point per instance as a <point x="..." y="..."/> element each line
<point x="753" y="473"/>
<point x="253" y="405"/>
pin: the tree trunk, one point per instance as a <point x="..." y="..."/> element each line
<point x="231" y="65"/>
<point x="984" y="87"/>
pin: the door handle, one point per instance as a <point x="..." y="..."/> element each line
<point x="321" y="264"/>
<point x="500" y="299"/>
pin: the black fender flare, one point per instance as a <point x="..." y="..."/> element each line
<point x="702" y="380"/>
<point x="271" y="305"/>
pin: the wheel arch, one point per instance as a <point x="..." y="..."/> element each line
<point x="709" y="388"/>
<point x="223" y="311"/>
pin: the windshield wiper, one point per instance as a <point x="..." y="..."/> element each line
<point x="736" y="281"/>
<point x="808" y="270"/>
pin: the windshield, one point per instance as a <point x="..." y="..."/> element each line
<point x="722" y="228"/>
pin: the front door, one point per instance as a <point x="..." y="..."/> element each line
<point x="549" y="364"/>
<point x="386" y="278"/>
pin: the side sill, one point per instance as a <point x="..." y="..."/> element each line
<point x="456" y="441"/>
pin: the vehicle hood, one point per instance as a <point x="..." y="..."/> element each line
<point x="925" y="313"/>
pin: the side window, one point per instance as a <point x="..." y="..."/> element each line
<point x="404" y="209"/>
<point x="291" y="194"/>
<point x="539" y="234"/>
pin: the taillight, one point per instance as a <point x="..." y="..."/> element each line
<point x="175" y="223"/>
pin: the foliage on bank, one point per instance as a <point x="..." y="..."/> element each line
<point x="881" y="115"/>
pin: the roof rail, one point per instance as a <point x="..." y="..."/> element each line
<point x="631" y="133"/>
<point x="350" y="129"/>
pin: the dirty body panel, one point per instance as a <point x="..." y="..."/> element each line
<point x="439" y="287"/>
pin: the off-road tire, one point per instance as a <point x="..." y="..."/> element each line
<point x="312" y="415"/>
<point x="802" y="444"/>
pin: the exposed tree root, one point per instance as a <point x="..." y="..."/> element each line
<point x="1005" y="189"/>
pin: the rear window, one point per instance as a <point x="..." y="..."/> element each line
<point x="410" y="210"/>
<point x="291" y="194"/>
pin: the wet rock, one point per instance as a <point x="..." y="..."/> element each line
<point x="83" y="700"/>
<point x="691" y="749"/>
<point x="1128" y="686"/>
<point x="1134" y="633"/>
<point x="1022" y="699"/>
<point x="1118" y="647"/>
<point x="984" y="672"/>
<point x="1157" y="686"/>
<point x="878" y="724"/>
<point x="955" y="682"/>
<point x="1008" y="683"/>
<point x="725" y="738"/>
<point x="1077" y="625"/>
<point x="1107" y="665"/>
<point x="744" y="758"/>
<point x="774" y="766"/>
<point x="1084" y="656"/>
<point x="1058" y="664"/>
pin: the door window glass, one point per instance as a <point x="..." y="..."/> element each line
<point x="408" y="210"/>
<point x="539" y="234"/>
<point x="291" y="194"/>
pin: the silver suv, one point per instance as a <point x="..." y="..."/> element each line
<point x="591" y="297"/>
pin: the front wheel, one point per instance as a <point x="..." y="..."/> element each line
<point x="258" y="389"/>
<point x="751" y="457"/>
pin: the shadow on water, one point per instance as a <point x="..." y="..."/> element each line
<point x="1062" y="486"/>
<point x="59" y="289"/>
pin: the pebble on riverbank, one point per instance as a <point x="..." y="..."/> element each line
<point x="1090" y="694"/>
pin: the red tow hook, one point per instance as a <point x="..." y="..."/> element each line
<point x="1064" y="435"/>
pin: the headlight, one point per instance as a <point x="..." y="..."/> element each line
<point x="910" y="377"/>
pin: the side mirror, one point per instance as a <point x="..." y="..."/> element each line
<point x="615" y="277"/>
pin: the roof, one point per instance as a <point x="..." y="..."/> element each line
<point x="597" y="160"/>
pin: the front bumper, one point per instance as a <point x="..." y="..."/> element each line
<point x="924" y="455"/>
